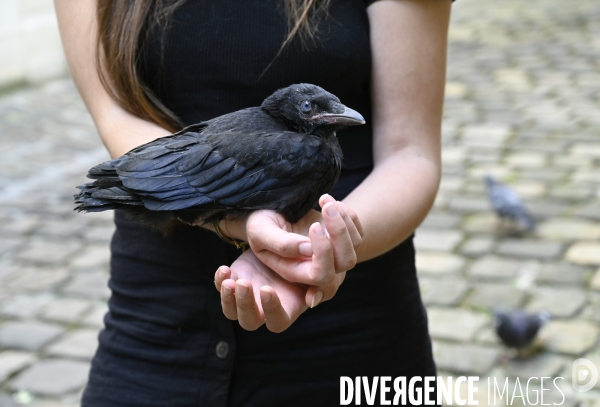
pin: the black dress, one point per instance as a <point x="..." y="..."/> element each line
<point x="166" y="341"/>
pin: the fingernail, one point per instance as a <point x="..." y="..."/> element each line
<point x="222" y="272"/>
<point x="319" y="231"/>
<point x="332" y="211"/>
<point x="265" y="296"/>
<point x="241" y="290"/>
<point x="227" y="291"/>
<point x="316" y="299"/>
<point x="305" y="249"/>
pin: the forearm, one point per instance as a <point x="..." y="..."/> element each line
<point x="120" y="130"/>
<point x="393" y="200"/>
<point x="408" y="43"/>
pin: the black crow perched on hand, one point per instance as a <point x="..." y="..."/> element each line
<point x="518" y="329"/>
<point x="507" y="204"/>
<point x="282" y="156"/>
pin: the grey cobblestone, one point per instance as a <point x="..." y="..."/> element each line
<point x="441" y="220"/>
<point x="455" y="324"/>
<point x="448" y="292"/>
<point x="99" y="233"/>
<point x="79" y="344"/>
<point x="595" y="281"/>
<point x="91" y="257"/>
<point x="13" y="361"/>
<point x="530" y="248"/>
<point x="25" y="305"/>
<point x="95" y="318"/>
<point x="469" y="205"/>
<point x="541" y="365"/>
<point x="562" y="273"/>
<point x="571" y="337"/>
<point x="28" y="335"/>
<point x="584" y="252"/>
<point x="465" y="358"/>
<point x="569" y="229"/>
<point x="481" y="223"/>
<point x="60" y="228"/>
<point x="562" y="303"/>
<point x="91" y="285"/>
<point x="434" y="263"/>
<point x="35" y="279"/>
<point x="48" y="252"/>
<point x="490" y="296"/>
<point x="477" y="246"/>
<point x="66" y="310"/>
<point x="437" y="239"/>
<point x="52" y="377"/>
<point x="493" y="267"/>
<point x="7" y="401"/>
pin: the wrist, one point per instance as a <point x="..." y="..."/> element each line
<point x="234" y="228"/>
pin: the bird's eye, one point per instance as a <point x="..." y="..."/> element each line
<point x="306" y="106"/>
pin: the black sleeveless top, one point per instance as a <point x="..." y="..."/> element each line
<point x="166" y="341"/>
<point x="215" y="54"/>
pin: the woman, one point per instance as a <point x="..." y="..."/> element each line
<point x="166" y="341"/>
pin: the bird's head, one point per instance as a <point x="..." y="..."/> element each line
<point x="310" y="109"/>
<point x="490" y="181"/>
<point x="500" y="318"/>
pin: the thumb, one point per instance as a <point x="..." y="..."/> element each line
<point x="265" y="232"/>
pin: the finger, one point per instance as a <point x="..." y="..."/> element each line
<point x="276" y="319"/>
<point x="322" y="266"/>
<point x="324" y="199"/>
<point x="292" y="270"/>
<point x="355" y="235"/>
<point x="222" y="274"/>
<point x="228" y="302"/>
<point x="248" y="313"/>
<point x="354" y="218"/>
<point x="343" y="249"/>
<point x="266" y="234"/>
<point x="315" y="295"/>
<point x="328" y="198"/>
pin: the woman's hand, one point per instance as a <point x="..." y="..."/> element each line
<point x="254" y="295"/>
<point x="290" y="267"/>
<point x="289" y="249"/>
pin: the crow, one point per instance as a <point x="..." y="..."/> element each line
<point x="282" y="156"/>
<point x="518" y="329"/>
<point x="507" y="204"/>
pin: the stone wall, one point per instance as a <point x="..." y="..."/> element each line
<point x="30" y="48"/>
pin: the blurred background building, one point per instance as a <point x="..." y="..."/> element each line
<point x="30" y="48"/>
<point x="522" y="104"/>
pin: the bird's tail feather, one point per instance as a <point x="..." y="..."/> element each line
<point x="94" y="198"/>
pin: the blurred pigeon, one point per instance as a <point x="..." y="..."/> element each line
<point x="282" y="155"/>
<point x="507" y="204"/>
<point x="518" y="329"/>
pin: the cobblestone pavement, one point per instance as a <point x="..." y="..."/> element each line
<point x="523" y="103"/>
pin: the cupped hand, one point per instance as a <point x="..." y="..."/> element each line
<point x="254" y="295"/>
<point x="290" y="250"/>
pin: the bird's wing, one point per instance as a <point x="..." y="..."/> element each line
<point x="199" y="169"/>
<point x="533" y="325"/>
<point x="505" y="201"/>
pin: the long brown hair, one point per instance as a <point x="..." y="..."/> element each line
<point x="121" y="28"/>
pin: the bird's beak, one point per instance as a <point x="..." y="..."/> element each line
<point x="348" y="117"/>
